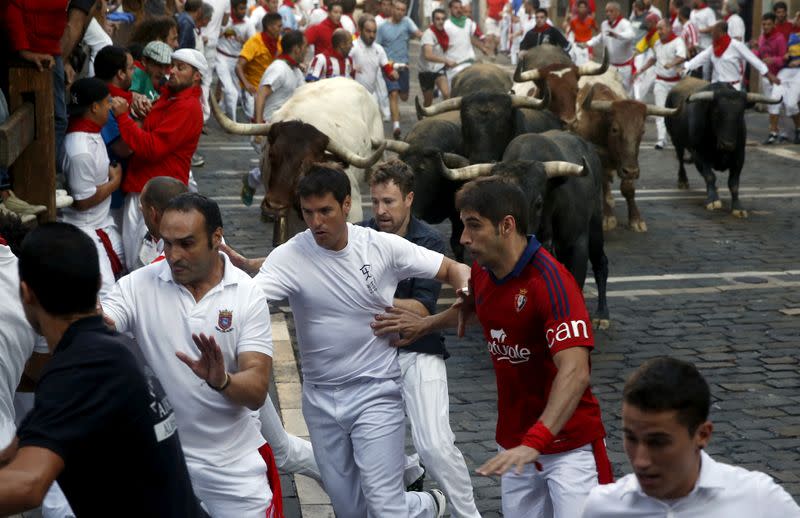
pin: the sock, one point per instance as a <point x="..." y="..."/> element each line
<point x="395" y="125"/>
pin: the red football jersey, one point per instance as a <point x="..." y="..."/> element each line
<point x="527" y="317"/>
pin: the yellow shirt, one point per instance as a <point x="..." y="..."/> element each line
<point x="646" y="43"/>
<point x="258" y="58"/>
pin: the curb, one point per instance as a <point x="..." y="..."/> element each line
<point x="314" y="502"/>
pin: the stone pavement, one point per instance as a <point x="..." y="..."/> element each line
<point x="703" y="286"/>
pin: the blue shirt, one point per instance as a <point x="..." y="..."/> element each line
<point x="394" y="38"/>
<point x="287" y="17"/>
<point x="186" y="34"/>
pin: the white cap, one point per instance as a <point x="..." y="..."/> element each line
<point x="192" y="57"/>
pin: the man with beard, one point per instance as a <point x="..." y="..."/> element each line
<point x="369" y="58"/>
<point x="432" y="60"/>
<point x="164" y="145"/>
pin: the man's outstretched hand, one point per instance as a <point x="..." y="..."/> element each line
<point x="210" y="367"/>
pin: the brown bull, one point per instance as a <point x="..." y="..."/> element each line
<point x="615" y="126"/>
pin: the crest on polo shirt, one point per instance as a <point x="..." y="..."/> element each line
<point x="520" y="299"/>
<point x="225" y="321"/>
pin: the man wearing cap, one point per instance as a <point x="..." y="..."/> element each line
<point x="157" y="59"/>
<point x="164" y="145"/>
<point x="91" y="178"/>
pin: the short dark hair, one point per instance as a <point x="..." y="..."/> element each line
<point x="393" y="170"/>
<point x="156" y="28"/>
<point x="237" y="3"/>
<point x="291" y="40"/>
<point x="333" y="4"/>
<point x="779" y="5"/>
<point x="160" y="190"/>
<point x="494" y="198"/>
<point x="722" y="25"/>
<point x="439" y="10"/>
<point x="323" y="178"/>
<point x="666" y="384"/>
<point x="59" y="264"/>
<point x="110" y="60"/>
<point x="339" y="37"/>
<point x="191" y="6"/>
<point x="451" y="2"/>
<point x="769" y="16"/>
<point x="685" y="12"/>
<point x="543" y="11"/>
<point x="190" y="201"/>
<point x="12" y="230"/>
<point x="363" y="19"/>
<point x="269" y="19"/>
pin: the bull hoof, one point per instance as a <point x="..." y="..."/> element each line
<point x="638" y="226"/>
<point x="600" y="323"/>
<point x="683" y="185"/>
<point x="609" y="223"/>
<point x="739" y="213"/>
<point x="714" y="205"/>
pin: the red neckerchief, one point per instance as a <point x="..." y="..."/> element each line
<point x="727" y="16"/>
<point x="541" y="29"/>
<point x="116" y="91"/>
<point x="672" y="19"/>
<point x="615" y="22"/>
<point x="288" y="3"/>
<point x="3" y="241"/>
<point x="721" y="45"/>
<point x="235" y="19"/>
<point x="82" y="124"/>
<point x="270" y="42"/>
<point x="138" y="64"/>
<point x="702" y="5"/>
<point x="671" y="37"/>
<point x="441" y="37"/>
<point x="649" y="35"/>
<point x="287" y="58"/>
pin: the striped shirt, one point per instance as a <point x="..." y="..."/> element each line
<point x="325" y="65"/>
<point x="689" y="35"/>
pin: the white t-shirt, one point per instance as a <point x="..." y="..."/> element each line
<point x="460" y="49"/>
<point x="721" y="491"/>
<point x="284" y="80"/>
<point x="703" y="19"/>
<point x="17" y="341"/>
<point x="96" y="39"/>
<point x="232" y="46"/>
<point x="666" y="54"/>
<point x="368" y="63"/>
<point x="429" y="38"/>
<point x="85" y="167"/>
<point x="255" y="19"/>
<point x="335" y="296"/>
<point x="212" y="30"/>
<point x="736" y="27"/>
<point x="728" y="67"/>
<point x="162" y="315"/>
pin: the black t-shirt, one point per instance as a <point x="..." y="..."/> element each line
<point x="550" y="35"/>
<point x="112" y="426"/>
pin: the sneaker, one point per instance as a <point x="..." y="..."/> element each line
<point x="782" y="137"/>
<point x="440" y="501"/>
<point x="659" y="145"/>
<point x="797" y="136"/>
<point x="419" y="484"/>
<point x="772" y="139"/>
<point x="25" y="218"/>
<point x="247" y="191"/>
<point x="22" y="207"/>
<point x="198" y="160"/>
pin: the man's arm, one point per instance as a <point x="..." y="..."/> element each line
<point x="263" y="92"/>
<point x="755" y="62"/>
<point x="699" y="60"/>
<point x="453" y="273"/>
<point x="77" y="20"/>
<point x="26" y="478"/>
<point x="251" y="266"/>
<point x="177" y="127"/>
<point x="240" y="63"/>
<point x="102" y="191"/>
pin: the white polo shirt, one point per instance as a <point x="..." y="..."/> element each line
<point x="620" y="49"/>
<point x="85" y="167"/>
<point x="721" y="491"/>
<point x="667" y="53"/>
<point x="368" y="62"/>
<point x="703" y="19"/>
<point x="728" y="67"/>
<point x="17" y="341"/>
<point x="429" y="38"/>
<point x="162" y="315"/>
<point x="335" y="296"/>
<point x="283" y="79"/>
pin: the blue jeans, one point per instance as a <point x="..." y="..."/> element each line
<point x="59" y="110"/>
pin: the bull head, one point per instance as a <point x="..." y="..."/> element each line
<point x="605" y="106"/>
<point x="750" y="98"/>
<point x="587" y="69"/>
<point x="398" y="146"/>
<point x="553" y="169"/>
<point x="517" y="101"/>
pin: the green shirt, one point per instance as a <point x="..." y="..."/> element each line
<point x="142" y="84"/>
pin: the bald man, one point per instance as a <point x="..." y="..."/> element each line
<point x="336" y="62"/>
<point x="156" y="194"/>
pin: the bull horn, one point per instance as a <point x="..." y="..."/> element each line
<point x="528" y="75"/>
<point x="470" y="172"/>
<point x="600" y="106"/>
<point x="760" y="98"/>
<point x="445" y="106"/>
<point x="520" y="101"/>
<point x="700" y="96"/>
<point x="593" y="69"/>
<point x="398" y="146"/>
<point x="557" y="168"/>
<point x="454" y="160"/>
<point x="660" y="111"/>
<point x="237" y="128"/>
<point x="355" y="159"/>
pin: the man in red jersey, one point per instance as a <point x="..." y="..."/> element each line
<point x="539" y="337"/>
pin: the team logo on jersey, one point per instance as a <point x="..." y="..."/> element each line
<point x="520" y="299"/>
<point x="225" y="321"/>
<point x="501" y="351"/>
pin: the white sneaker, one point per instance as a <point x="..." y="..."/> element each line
<point x="440" y="501"/>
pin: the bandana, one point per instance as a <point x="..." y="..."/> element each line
<point x="288" y="3"/>
<point x="615" y="22"/>
<point x="235" y="19"/>
<point x="672" y="19"/>
<point x="287" y="58"/>
<point x="3" y="241"/>
<point x="671" y="37"/>
<point x="649" y="36"/>
<point x="702" y="5"/>
<point x="541" y="29"/>
<point x="116" y="91"/>
<point x="459" y="22"/>
<point x="271" y="43"/>
<point x="441" y="37"/>
<point x="83" y="125"/>
<point x="721" y="45"/>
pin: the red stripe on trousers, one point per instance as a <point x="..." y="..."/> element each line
<point x="605" y="474"/>
<point x="116" y="264"/>
<point x="275" y="509"/>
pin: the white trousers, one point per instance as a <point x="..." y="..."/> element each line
<point x="226" y="71"/>
<point x="292" y="454"/>
<point x="133" y="230"/>
<point x="660" y="91"/>
<point x="643" y="82"/>
<point x="358" y="434"/>
<point x="237" y="490"/>
<point x="625" y="73"/>
<point x="211" y="58"/>
<point x="248" y="104"/>
<point x="579" y="55"/>
<point x="107" y="278"/>
<point x="558" y="491"/>
<point x="789" y="89"/>
<point x="427" y="402"/>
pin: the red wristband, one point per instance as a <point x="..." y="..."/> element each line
<point x="538" y="437"/>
